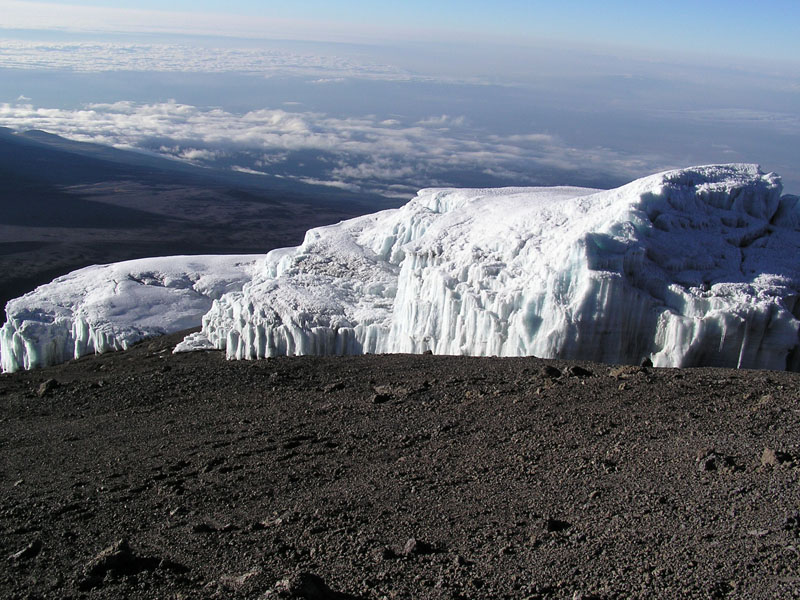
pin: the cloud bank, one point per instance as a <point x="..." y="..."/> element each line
<point x="108" y="56"/>
<point x="391" y="157"/>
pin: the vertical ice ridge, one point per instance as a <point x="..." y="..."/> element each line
<point x="677" y="267"/>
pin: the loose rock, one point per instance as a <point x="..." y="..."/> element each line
<point x="28" y="552"/>
<point x="46" y="388"/>
<point x="307" y="586"/>
<point x="414" y="546"/>
<point x="551" y="372"/>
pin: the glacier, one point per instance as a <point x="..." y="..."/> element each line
<point x="109" y="307"/>
<point x="690" y="267"/>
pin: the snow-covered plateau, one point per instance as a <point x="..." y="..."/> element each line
<point x="698" y="266"/>
<point x="110" y="307"/>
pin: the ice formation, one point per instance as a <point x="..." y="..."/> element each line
<point x="698" y="266"/>
<point x="109" y="307"/>
<point x="692" y="267"/>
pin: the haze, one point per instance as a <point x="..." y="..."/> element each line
<point x="368" y="99"/>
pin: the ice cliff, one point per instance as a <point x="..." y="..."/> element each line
<point x="699" y="266"/>
<point x="692" y="267"/>
<point x="109" y="307"/>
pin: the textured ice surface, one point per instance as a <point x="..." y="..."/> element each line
<point x="692" y="267"/>
<point x="699" y="266"/>
<point x="109" y="307"/>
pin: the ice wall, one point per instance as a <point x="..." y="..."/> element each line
<point x="691" y="267"/>
<point x="109" y="307"/>
<point x="698" y="266"/>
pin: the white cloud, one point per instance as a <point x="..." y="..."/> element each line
<point x="350" y="187"/>
<point x="326" y="80"/>
<point x="239" y="169"/>
<point x="108" y="56"/>
<point x="195" y="155"/>
<point x="353" y="153"/>
<point x="442" y="121"/>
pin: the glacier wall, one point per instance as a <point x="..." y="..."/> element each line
<point x="698" y="266"/>
<point x="109" y="307"/>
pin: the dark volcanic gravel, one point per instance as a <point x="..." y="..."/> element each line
<point x="145" y="474"/>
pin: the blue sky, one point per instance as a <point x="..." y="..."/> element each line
<point x="735" y="28"/>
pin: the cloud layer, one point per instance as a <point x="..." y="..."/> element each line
<point x="366" y="152"/>
<point x="107" y="56"/>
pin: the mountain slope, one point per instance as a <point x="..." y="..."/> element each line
<point x="519" y="478"/>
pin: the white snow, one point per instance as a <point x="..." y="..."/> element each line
<point x="109" y="307"/>
<point x="690" y="267"/>
<point x="698" y="266"/>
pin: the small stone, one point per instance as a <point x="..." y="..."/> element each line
<point x="117" y="557"/>
<point x="578" y="595"/>
<point x="792" y="524"/>
<point x="556" y="525"/>
<point x="47" y="387"/>
<point x="769" y="458"/>
<point x="460" y="561"/>
<point x="428" y="352"/>
<point x="773" y="458"/>
<point x="415" y="546"/>
<point x="578" y="371"/>
<point x="551" y="372"/>
<point x="236" y="582"/>
<point x="380" y="398"/>
<point x="646" y="362"/>
<point x="709" y="459"/>
<point x="618" y="372"/>
<point x="384" y="390"/>
<point x="28" y="552"/>
<point x="306" y="586"/>
<point x="114" y="556"/>
<point x="333" y="387"/>
<point x="708" y="464"/>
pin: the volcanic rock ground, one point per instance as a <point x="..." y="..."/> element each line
<point x="144" y="474"/>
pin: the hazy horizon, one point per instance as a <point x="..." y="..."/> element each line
<point x="358" y="103"/>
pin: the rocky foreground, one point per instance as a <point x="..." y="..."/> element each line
<point x="144" y="474"/>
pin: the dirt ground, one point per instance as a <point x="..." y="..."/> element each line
<point x="144" y="474"/>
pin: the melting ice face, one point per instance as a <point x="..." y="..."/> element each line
<point x="688" y="267"/>
<point x="692" y="267"/>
